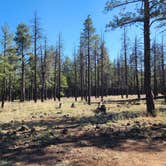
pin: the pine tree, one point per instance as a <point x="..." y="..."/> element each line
<point x="23" y="42"/>
<point x="148" y="13"/>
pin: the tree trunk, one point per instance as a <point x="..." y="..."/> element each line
<point x="55" y="75"/>
<point x="126" y="70"/>
<point x="154" y="71"/>
<point x="22" y="77"/>
<point x="147" y="74"/>
<point x="81" y="73"/>
<point x="136" y="70"/>
<point x="43" y="76"/>
<point x="163" y="71"/>
<point x="95" y="58"/>
<point x="89" y="72"/>
<point x="59" y="72"/>
<point x="102" y="71"/>
<point x="75" y="76"/>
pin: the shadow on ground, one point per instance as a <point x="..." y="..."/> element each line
<point x="27" y="141"/>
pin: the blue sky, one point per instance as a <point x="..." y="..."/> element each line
<point x="65" y="16"/>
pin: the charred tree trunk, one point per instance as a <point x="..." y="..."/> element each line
<point x="4" y="79"/>
<point x="22" y="76"/>
<point x="147" y="74"/>
<point x="35" y="60"/>
<point x="126" y="68"/>
<point x="59" y="70"/>
<point x="89" y="71"/>
<point x="81" y="73"/>
<point x="43" y="76"/>
<point x="163" y="70"/>
<point x="154" y="71"/>
<point x="55" y="74"/>
<point x="98" y="76"/>
<point x="102" y="70"/>
<point x="136" y="70"/>
<point x="75" y="77"/>
<point x="95" y="59"/>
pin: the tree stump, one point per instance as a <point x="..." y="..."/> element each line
<point x="60" y="105"/>
<point x="72" y="105"/>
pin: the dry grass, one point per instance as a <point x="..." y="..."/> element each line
<point x="43" y="134"/>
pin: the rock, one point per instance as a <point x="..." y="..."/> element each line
<point x="97" y="127"/>
<point x="33" y="130"/>
<point x="144" y="124"/>
<point x="23" y="128"/>
<point x="41" y="116"/>
<point x="64" y="131"/>
<point x="51" y="133"/>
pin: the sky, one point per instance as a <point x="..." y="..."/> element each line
<point x="65" y="16"/>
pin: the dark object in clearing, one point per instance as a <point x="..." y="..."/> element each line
<point x="33" y="130"/>
<point x="23" y="128"/>
<point x="73" y="105"/>
<point x="101" y="109"/>
<point x="64" y="131"/>
<point x="60" y="105"/>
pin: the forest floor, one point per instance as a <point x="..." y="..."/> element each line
<point x="43" y="134"/>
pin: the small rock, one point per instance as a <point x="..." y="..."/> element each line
<point x="23" y="128"/>
<point x="41" y="116"/>
<point x="33" y="130"/>
<point x="64" y="131"/>
<point x="97" y="127"/>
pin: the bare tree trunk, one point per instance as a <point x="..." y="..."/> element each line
<point x="89" y="72"/>
<point x="154" y="71"/>
<point x="4" y="79"/>
<point x="98" y="77"/>
<point x="162" y="68"/>
<point x="142" y="84"/>
<point x="81" y="72"/>
<point x="126" y="69"/>
<point x="147" y="74"/>
<point x="35" y="54"/>
<point x="102" y="70"/>
<point x="75" y="77"/>
<point x="136" y="69"/>
<point x="43" y="76"/>
<point x="95" y="58"/>
<point x="22" y="77"/>
<point x="59" y="70"/>
<point x="55" y="74"/>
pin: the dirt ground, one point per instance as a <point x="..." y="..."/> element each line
<point x="123" y="136"/>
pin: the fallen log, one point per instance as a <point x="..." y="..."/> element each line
<point x="128" y="100"/>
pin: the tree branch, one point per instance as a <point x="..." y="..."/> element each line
<point x="115" y="4"/>
<point x="158" y="19"/>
